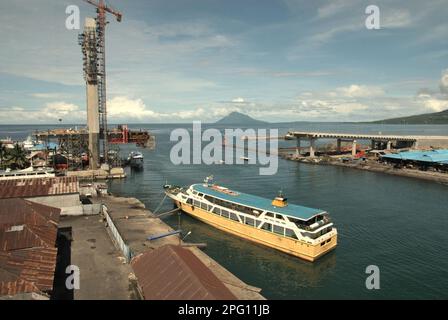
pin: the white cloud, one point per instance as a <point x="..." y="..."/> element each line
<point x="52" y="95"/>
<point x="120" y="108"/>
<point x="435" y="105"/>
<point x="395" y="18"/>
<point x="444" y="82"/>
<point x="360" y="91"/>
<point x="238" y="100"/>
<point x="49" y="113"/>
<point x="334" y="7"/>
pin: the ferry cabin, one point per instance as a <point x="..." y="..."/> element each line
<point x="303" y="232"/>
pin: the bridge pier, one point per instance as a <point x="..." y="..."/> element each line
<point x="312" y="147"/>
<point x="389" y="145"/>
<point x="354" y="148"/>
<point x="298" y="147"/>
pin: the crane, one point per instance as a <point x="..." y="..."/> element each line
<point x="101" y="9"/>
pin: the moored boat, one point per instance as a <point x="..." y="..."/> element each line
<point x="135" y="160"/>
<point x="304" y="232"/>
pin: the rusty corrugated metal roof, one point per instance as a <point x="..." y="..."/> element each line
<point x="28" y="252"/>
<point x="21" y="211"/>
<point x="24" y="188"/>
<point x="175" y="273"/>
<point x="35" y="265"/>
<point x="25" y="224"/>
<point x="11" y="288"/>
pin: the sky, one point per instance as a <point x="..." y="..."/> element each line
<point x="172" y="61"/>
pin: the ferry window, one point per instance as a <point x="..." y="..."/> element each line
<point x="257" y="223"/>
<point x="279" y="216"/>
<point x="255" y="212"/>
<point x="189" y="201"/>
<point x="204" y="206"/>
<point x="197" y="203"/>
<point x="217" y="211"/>
<point x="270" y="214"/>
<point x="290" y="233"/>
<point x="250" y="221"/>
<point x="225" y="213"/>
<point x="279" y="230"/>
<point x="267" y="226"/>
<point x="233" y="216"/>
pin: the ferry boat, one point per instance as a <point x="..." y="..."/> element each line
<point x="300" y="231"/>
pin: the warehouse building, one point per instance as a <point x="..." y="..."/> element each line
<point x="58" y="192"/>
<point x="433" y="159"/>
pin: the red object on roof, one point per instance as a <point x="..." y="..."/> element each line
<point x="175" y="273"/>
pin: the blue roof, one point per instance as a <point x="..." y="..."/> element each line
<point x="42" y="146"/>
<point x="260" y="203"/>
<point x="434" y="156"/>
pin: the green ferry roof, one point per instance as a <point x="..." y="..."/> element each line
<point x="260" y="203"/>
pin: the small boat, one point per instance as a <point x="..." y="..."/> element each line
<point x="135" y="160"/>
<point x="31" y="145"/>
<point x="8" y="143"/>
<point x="303" y="232"/>
<point x="246" y="159"/>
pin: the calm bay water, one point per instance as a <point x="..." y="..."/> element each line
<point x="399" y="224"/>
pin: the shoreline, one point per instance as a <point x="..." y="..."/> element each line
<point x="373" y="166"/>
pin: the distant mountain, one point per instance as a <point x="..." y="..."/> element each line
<point x="427" y="118"/>
<point x="239" y="119"/>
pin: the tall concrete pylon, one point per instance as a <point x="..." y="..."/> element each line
<point x="91" y="76"/>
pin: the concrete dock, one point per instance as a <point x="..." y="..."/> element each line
<point x="104" y="272"/>
<point x="135" y="223"/>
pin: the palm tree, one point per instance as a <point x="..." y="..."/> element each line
<point x="18" y="157"/>
<point x="3" y="153"/>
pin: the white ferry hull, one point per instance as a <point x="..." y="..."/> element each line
<point x="298" y="248"/>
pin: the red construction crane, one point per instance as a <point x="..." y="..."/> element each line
<point x="103" y="7"/>
<point x="101" y="21"/>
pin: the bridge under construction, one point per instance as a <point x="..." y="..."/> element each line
<point x="377" y="141"/>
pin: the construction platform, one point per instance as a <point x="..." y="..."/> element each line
<point x="69" y="137"/>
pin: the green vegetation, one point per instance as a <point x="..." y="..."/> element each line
<point x="3" y="154"/>
<point x="14" y="158"/>
<point x="428" y="118"/>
